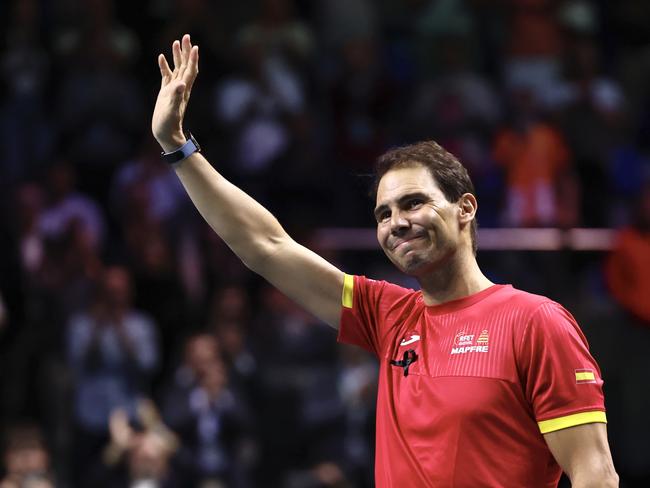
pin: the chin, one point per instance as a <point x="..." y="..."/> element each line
<point x="413" y="265"/>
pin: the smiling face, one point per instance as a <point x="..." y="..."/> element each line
<point x="417" y="227"/>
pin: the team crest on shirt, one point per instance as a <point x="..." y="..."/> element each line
<point x="470" y="343"/>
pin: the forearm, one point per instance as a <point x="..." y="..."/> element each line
<point x="247" y="227"/>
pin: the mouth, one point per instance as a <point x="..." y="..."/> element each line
<point x="401" y="242"/>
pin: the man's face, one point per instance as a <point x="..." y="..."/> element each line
<point x="417" y="227"/>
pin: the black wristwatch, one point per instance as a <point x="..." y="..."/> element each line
<point x="187" y="149"/>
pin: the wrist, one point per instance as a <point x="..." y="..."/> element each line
<point x="173" y="143"/>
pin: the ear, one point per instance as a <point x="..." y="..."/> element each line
<point x="467" y="206"/>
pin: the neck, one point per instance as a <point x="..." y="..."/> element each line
<point x="457" y="278"/>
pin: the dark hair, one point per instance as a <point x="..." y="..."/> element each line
<point x="446" y="170"/>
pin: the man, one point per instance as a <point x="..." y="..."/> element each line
<point x="480" y="384"/>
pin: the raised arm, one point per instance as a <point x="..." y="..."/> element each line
<point x="248" y="228"/>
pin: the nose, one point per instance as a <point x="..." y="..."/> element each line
<point x="398" y="224"/>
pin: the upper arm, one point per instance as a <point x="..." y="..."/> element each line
<point x="583" y="453"/>
<point x="305" y="277"/>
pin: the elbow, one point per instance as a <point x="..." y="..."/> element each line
<point x="259" y="255"/>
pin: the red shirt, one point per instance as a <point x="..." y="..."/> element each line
<point x="493" y="371"/>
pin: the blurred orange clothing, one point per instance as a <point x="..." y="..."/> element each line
<point x="537" y="155"/>
<point x="627" y="272"/>
<point x="533" y="160"/>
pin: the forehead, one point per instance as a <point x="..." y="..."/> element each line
<point x="401" y="181"/>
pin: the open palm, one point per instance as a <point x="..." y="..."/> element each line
<point x="175" y="89"/>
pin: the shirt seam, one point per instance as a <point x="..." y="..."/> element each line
<point x="505" y="380"/>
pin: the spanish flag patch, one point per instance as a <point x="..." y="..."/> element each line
<point x="585" y="376"/>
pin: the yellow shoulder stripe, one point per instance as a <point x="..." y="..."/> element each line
<point x="546" y="426"/>
<point x="348" y="290"/>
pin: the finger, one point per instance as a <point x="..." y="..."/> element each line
<point x="165" y="72"/>
<point x="192" y="70"/>
<point x="176" y="51"/>
<point x="186" y="47"/>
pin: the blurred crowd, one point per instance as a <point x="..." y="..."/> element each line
<point x="135" y="349"/>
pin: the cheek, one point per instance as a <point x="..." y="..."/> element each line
<point x="382" y="235"/>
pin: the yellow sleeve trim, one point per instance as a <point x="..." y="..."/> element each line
<point x="546" y="426"/>
<point x="348" y="289"/>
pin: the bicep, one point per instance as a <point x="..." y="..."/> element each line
<point x="582" y="451"/>
<point x="305" y="277"/>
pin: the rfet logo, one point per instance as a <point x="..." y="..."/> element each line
<point x="463" y="339"/>
<point x="464" y="342"/>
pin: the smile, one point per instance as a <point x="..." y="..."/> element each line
<point x="401" y="243"/>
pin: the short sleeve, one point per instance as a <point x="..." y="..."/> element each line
<point x="561" y="379"/>
<point x="365" y="308"/>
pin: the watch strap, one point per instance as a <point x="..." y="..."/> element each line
<point x="187" y="149"/>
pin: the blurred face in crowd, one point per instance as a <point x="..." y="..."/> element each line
<point x="21" y="461"/>
<point x="417" y="227"/>
<point x="149" y="457"/>
<point x="214" y="379"/>
<point x="201" y="353"/>
<point x="117" y="288"/>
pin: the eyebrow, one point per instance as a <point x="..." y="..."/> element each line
<point x="401" y="200"/>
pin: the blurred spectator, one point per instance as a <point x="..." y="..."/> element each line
<point x="536" y="160"/>
<point x="26" y="460"/>
<point x="100" y="107"/>
<point x="278" y="33"/>
<point x="628" y="265"/>
<point x="258" y="106"/>
<point x="160" y="192"/>
<point x="230" y="303"/>
<point x="27" y="136"/>
<point x="212" y="422"/>
<point x="67" y="208"/>
<point x="57" y="265"/>
<point x="459" y="108"/>
<point x="139" y="455"/>
<point x="147" y="199"/>
<point x="361" y="100"/>
<point x="302" y="419"/>
<point x="29" y="207"/>
<point x="591" y="110"/>
<point x="238" y="356"/>
<point x="534" y="45"/>
<point x="200" y="352"/>
<point x="112" y="351"/>
<point x="358" y="389"/>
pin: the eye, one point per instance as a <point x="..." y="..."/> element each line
<point x="383" y="216"/>
<point x="414" y="203"/>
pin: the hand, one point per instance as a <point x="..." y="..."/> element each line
<point x="120" y="430"/>
<point x="175" y="89"/>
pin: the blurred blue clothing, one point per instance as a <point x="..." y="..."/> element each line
<point x="107" y="375"/>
